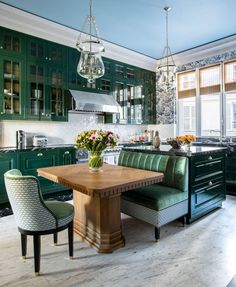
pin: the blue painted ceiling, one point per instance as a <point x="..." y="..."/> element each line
<point x="140" y="24"/>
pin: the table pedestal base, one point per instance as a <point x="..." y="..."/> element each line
<point x="97" y="220"/>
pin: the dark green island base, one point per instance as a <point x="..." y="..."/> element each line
<point x="206" y="175"/>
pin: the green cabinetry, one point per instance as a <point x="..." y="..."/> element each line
<point x="35" y="75"/>
<point x="7" y="161"/>
<point x="29" y="161"/>
<point x="47" y="80"/>
<point x="231" y="171"/>
<point x="12" y="74"/>
<point x="206" y="183"/>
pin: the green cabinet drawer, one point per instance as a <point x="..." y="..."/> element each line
<point x="7" y="161"/>
<point x="201" y="159"/>
<point x="202" y="169"/>
<point x="206" y="191"/>
<point x="206" y="184"/>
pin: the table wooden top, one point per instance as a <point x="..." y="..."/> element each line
<point x="112" y="179"/>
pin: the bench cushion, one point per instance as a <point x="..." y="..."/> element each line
<point x="155" y="196"/>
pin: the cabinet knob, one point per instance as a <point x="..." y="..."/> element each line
<point x="1" y="47"/>
<point x="210" y="157"/>
<point x="49" y="59"/>
<point x="46" y="58"/>
<point x="67" y="152"/>
<point x="40" y="154"/>
<point x="210" y="183"/>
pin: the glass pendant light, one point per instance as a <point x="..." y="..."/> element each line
<point x="90" y="65"/>
<point x="166" y="69"/>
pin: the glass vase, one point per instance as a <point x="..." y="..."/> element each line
<point x="95" y="161"/>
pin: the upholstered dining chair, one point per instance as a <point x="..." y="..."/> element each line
<point x="34" y="216"/>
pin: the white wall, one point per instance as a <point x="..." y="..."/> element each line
<point x="62" y="133"/>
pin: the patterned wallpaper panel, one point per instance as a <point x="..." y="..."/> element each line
<point x="166" y="113"/>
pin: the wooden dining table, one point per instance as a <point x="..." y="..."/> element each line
<point x="96" y="199"/>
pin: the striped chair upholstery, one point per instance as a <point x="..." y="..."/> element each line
<point x="34" y="216"/>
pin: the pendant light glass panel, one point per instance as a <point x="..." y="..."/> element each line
<point x="90" y="65"/>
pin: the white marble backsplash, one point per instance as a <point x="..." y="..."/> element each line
<point x="63" y="132"/>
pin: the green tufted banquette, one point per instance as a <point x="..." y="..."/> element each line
<point x="160" y="203"/>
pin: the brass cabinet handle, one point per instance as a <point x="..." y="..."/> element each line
<point x="210" y="157"/>
<point x="210" y="183"/>
<point x="67" y="152"/>
<point x="40" y="154"/>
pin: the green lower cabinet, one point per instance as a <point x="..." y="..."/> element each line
<point x="31" y="161"/>
<point x="231" y="173"/>
<point x="67" y="156"/>
<point x="7" y="161"/>
<point x="206" y="184"/>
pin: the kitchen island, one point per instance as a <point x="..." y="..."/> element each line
<point x="206" y="175"/>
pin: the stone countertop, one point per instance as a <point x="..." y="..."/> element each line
<point x="166" y="149"/>
<point x="33" y="148"/>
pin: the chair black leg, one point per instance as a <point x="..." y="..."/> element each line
<point x="37" y="247"/>
<point x="55" y="238"/>
<point x="157" y="233"/>
<point x="23" y="245"/>
<point x="71" y="239"/>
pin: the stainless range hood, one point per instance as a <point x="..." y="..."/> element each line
<point x="95" y="103"/>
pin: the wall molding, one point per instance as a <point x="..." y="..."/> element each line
<point x="21" y="21"/>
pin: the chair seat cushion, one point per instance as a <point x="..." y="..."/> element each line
<point x="155" y="196"/>
<point x="63" y="211"/>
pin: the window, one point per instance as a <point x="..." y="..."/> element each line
<point x="187" y="102"/>
<point x="210" y="100"/>
<point x="234" y="116"/>
<point x="230" y="114"/>
<point x="200" y="101"/>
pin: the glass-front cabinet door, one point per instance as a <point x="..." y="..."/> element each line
<point x="11" y="43"/>
<point x="11" y="88"/>
<point x="36" y="91"/>
<point x="57" y="93"/>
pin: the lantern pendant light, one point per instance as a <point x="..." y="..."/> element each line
<point x="90" y="46"/>
<point x="166" y="69"/>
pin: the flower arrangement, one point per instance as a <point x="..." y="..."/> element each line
<point x="96" y="141"/>
<point x="179" y="141"/>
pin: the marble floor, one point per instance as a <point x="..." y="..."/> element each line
<point x="202" y="254"/>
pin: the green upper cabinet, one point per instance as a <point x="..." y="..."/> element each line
<point x="12" y="74"/>
<point x="12" y="43"/>
<point x="134" y="89"/>
<point x="12" y="87"/>
<point x="36" y="75"/>
<point x="47" y="80"/>
<point x="75" y="82"/>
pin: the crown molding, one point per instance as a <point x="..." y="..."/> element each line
<point x="208" y="50"/>
<point x="22" y="21"/>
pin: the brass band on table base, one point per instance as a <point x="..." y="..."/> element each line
<point x="93" y="224"/>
